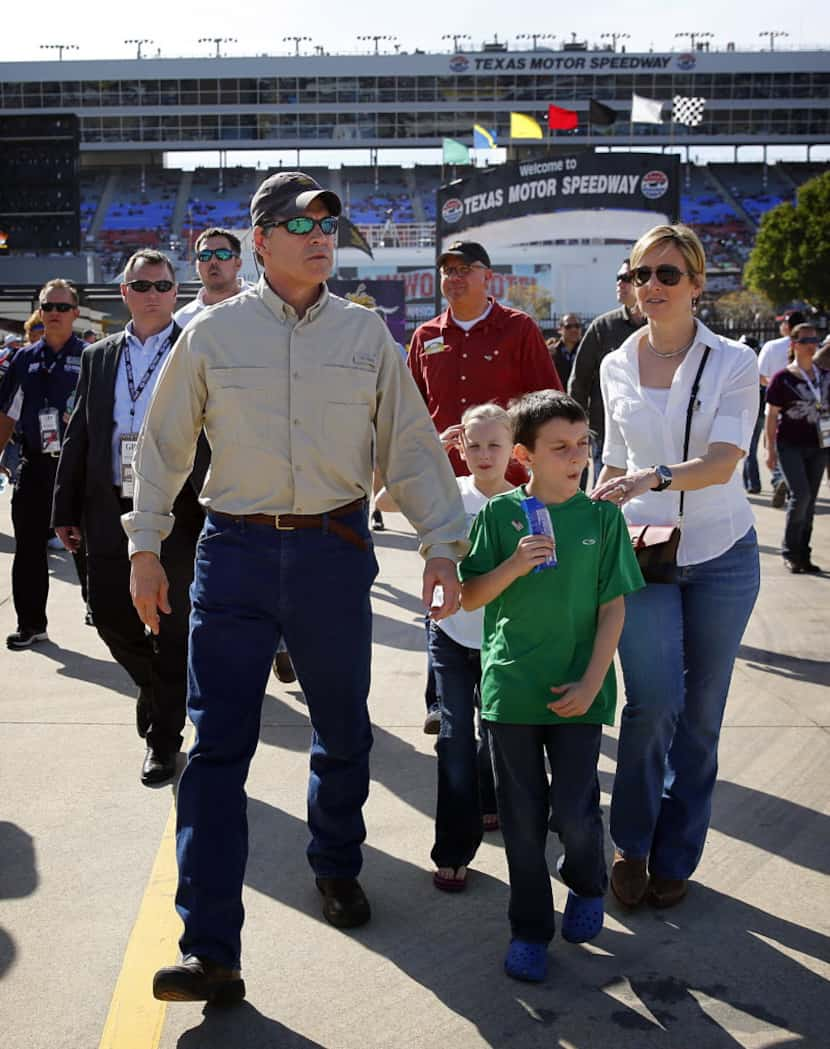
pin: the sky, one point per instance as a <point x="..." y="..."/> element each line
<point x="99" y="29"/>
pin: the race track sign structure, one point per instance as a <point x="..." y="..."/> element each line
<point x="615" y="196"/>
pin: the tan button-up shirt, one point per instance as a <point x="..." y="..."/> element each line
<point x="296" y="412"/>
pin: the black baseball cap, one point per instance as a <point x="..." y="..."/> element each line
<point x="792" y="317"/>
<point x="286" y="195"/>
<point x="467" y="250"/>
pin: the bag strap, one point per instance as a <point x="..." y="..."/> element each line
<point x="689" y="413"/>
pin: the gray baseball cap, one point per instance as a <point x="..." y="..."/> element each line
<point x="288" y="194"/>
<point x="13" y="340"/>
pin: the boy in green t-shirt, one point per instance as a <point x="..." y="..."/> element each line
<point x="548" y="684"/>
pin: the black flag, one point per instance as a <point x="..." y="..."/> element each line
<point x="603" y="116"/>
<point x="349" y="236"/>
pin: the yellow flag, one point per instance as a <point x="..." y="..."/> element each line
<point x="523" y="126"/>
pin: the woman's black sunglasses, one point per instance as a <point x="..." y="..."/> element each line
<point x="668" y="275"/>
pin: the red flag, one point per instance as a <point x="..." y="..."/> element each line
<point x="562" y="119"/>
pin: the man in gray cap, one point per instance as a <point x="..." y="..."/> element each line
<point x="296" y="388"/>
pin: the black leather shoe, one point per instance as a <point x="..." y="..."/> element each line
<point x="199" y="980"/>
<point x="344" y="902"/>
<point x="157" y="767"/>
<point x="810" y="568"/>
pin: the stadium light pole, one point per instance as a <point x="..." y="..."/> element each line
<point x="694" y="38"/>
<point x="377" y="37"/>
<point x="60" y="48"/>
<point x="535" y="36"/>
<point x="455" y="37"/>
<point x="614" y="37"/>
<point x="297" y="41"/>
<point x="138" y="44"/>
<point x="218" y="40"/>
<point x="772" y="34"/>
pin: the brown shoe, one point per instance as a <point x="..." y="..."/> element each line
<point x="666" y="892"/>
<point x="199" y="980"/>
<point x="629" y="879"/>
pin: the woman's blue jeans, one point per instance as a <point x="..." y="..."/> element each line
<point x="803" y="469"/>
<point x="677" y="650"/>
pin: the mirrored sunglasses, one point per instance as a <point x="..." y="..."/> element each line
<point x="142" y="286"/>
<point x="668" y="275"/>
<point x="61" y="307"/>
<point x="303" y="224"/>
<point x="222" y="254"/>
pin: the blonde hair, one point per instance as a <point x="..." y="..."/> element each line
<point x="683" y="238"/>
<point x="487" y="413"/>
<point x="58" y="284"/>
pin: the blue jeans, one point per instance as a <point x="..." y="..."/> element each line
<point x="458" y="828"/>
<point x="529" y="805"/>
<point x="677" y="649"/>
<point x="802" y="468"/>
<point x="254" y="584"/>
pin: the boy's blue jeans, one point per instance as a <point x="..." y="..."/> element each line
<point x="252" y="585"/>
<point x="465" y="779"/>
<point x="677" y="650"/>
<point x="529" y="805"/>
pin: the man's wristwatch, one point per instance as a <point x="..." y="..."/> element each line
<point x="664" y="475"/>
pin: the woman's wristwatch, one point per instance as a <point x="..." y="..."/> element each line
<point x="664" y="476"/>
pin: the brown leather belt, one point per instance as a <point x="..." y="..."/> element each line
<point x="327" y="521"/>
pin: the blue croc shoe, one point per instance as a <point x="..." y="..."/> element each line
<point x="583" y="918"/>
<point x="526" y="961"/>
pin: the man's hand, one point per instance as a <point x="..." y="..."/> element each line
<point x="441" y="571"/>
<point x="148" y="589"/>
<point x="577" y="699"/>
<point x="532" y="550"/>
<point x="70" y="536"/>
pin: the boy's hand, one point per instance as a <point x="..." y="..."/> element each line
<point x="532" y="550"/>
<point x="577" y="699"/>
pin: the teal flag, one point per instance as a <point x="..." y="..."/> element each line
<point x="455" y="152"/>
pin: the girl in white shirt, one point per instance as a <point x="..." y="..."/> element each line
<point x="680" y="638"/>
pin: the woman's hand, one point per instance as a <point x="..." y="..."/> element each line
<point x="620" y="490"/>
<point x="772" y="458"/>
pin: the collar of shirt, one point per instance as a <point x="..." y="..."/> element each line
<point x="151" y="344"/>
<point x="43" y="346"/>
<point x="283" y="311"/>
<point x="495" y="317"/>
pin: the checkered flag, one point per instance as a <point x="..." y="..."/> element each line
<point x="688" y="111"/>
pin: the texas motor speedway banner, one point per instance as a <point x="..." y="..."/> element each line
<point x="562" y="189"/>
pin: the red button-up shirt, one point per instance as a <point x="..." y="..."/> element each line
<point x="497" y="360"/>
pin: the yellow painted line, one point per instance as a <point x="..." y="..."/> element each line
<point x="135" y="1018"/>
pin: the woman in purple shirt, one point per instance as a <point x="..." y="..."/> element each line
<point x="798" y="437"/>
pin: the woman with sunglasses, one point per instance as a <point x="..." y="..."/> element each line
<point x="680" y="637"/>
<point x="798" y="437"/>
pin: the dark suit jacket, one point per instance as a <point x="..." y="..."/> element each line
<point x="84" y="492"/>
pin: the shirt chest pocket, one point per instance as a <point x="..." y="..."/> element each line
<point x="349" y="406"/>
<point x="245" y="405"/>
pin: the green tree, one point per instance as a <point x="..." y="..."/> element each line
<point x="791" y="257"/>
<point x="532" y="298"/>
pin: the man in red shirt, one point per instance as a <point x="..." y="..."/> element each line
<point x="477" y="351"/>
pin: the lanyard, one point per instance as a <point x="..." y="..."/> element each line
<point x="136" y="391"/>
<point x="45" y="371"/>
<point x="814" y="390"/>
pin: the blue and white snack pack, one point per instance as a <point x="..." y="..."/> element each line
<point x="539" y="523"/>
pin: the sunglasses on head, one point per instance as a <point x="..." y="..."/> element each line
<point x="223" y="254"/>
<point x="61" y="307"/>
<point x="303" y="224"/>
<point x="668" y="275"/>
<point x="809" y="340"/>
<point x="142" y="286"/>
<point x="624" y="278"/>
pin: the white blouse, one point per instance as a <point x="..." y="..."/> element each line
<point x="639" y="435"/>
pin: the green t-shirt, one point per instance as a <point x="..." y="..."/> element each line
<point x="540" y="630"/>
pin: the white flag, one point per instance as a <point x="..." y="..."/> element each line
<point x="688" y="111"/>
<point x="645" y="110"/>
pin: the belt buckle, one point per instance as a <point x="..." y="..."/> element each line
<point x="282" y="527"/>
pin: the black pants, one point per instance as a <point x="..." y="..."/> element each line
<point x="158" y="665"/>
<point x="31" y="517"/>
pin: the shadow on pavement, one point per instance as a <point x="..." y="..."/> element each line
<point x="104" y="672"/>
<point x="223" y="1029"/>
<point x="796" y="668"/>
<point x="18" y="878"/>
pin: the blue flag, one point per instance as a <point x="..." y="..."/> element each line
<point x="484" y="138"/>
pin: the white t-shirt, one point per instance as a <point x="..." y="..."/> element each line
<point x="192" y="309"/>
<point x="640" y="434"/>
<point x="466" y="628"/>
<point x="774" y="356"/>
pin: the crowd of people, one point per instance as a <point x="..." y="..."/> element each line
<point x="211" y="470"/>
